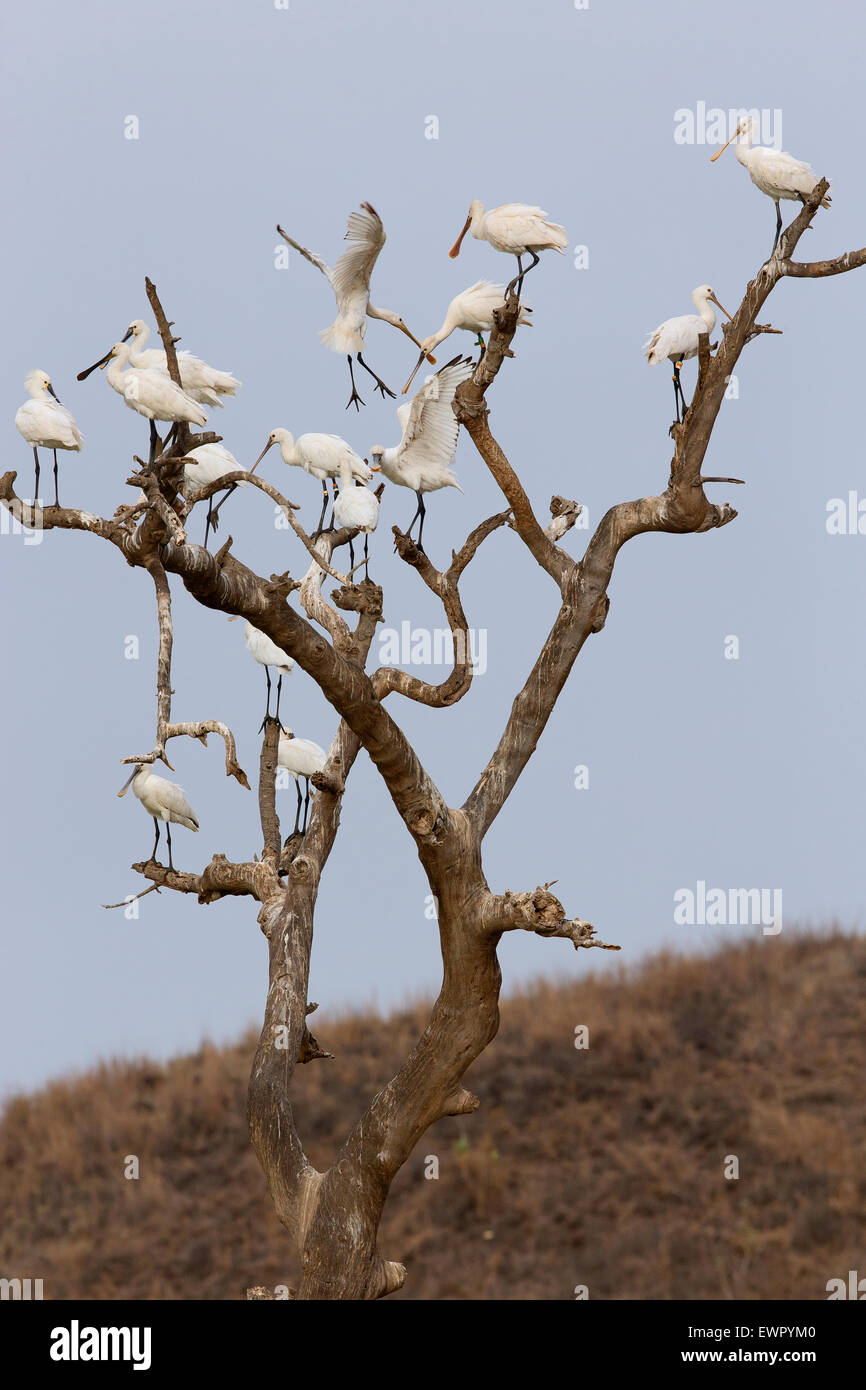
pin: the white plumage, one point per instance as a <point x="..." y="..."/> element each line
<point x="320" y="455"/>
<point x="266" y="652"/>
<point x="46" y="424"/>
<point x="350" y="281"/>
<point x="201" y="382"/>
<point x="300" y="757"/>
<point x="676" y="339"/>
<point x="356" y="507"/>
<point x="150" y="392"/>
<point x="422" y="459"/>
<point x="779" y="175"/>
<point x="207" y="464"/>
<point x="164" y="800"/>
<point x="515" y="228"/>
<point x="473" y="311"/>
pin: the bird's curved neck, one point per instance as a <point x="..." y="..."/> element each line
<point x="706" y="311"/>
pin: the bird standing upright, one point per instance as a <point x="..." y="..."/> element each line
<point x="163" y="799"/>
<point x="518" y="230"/>
<point x="267" y="654"/>
<point x="300" y="757"/>
<point x="421" y="461"/>
<point x="148" y="391"/>
<point x="356" y="507"/>
<point x="350" y="281"/>
<point x="776" y="173"/>
<point x="46" y="424"/>
<point x="320" y="455"/>
<point x="677" y="339"/>
<point x="199" y="380"/>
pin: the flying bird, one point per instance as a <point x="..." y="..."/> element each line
<point x="147" y="391"/>
<point x="472" y="310"/>
<point x="203" y="383"/>
<point x="301" y="757"/>
<point x="267" y="654"/>
<point x="518" y="230"/>
<point x="46" y="424"/>
<point x="777" y="174"/>
<point x="356" y="507"/>
<point x="422" y="459"/>
<point x="676" y="339"/>
<point x="163" y="799"/>
<point x="320" y="455"/>
<point x="350" y="281"/>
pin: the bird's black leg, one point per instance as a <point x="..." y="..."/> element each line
<point x="354" y="399"/>
<point x="423" y="510"/>
<point x="298" y="812"/>
<point x="156" y="841"/>
<point x="306" y="803"/>
<point x="519" y="276"/>
<point x="154" y="441"/>
<point x="56" y="498"/>
<point x="279" y="688"/>
<point x="207" y="524"/>
<point x="268" y="705"/>
<point x="366" y="557"/>
<point x="168" y="837"/>
<point x="351" y="558"/>
<point x="36" y="484"/>
<point x="778" y="224"/>
<point x="416" y="516"/>
<point x="318" y="531"/>
<point x="380" y="385"/>
<point x="213" y="516"/>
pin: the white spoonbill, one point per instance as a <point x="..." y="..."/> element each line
<point x="301" y="757"/>
<point x="350" y="281"/>
<point x="423" y="457"/>
<point x="320" y="455"/>
<point x="206" y="464"/>
<point x="46" y="424"/>
<point x="356" y="507"/>
<point x="472" y="310"/>
<point x="163" y="799"/>
<point x="675" y="340"/>
<point x="267" y="654"/>
<point x="199" y="380"/>
<point x="149" y="392"/>
<point x="515" y="228"/>
<point x="776" y="173"/>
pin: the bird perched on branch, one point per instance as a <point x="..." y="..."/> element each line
<point x="518" y="230"/>
<point x="203" y="383"/>
<point x="776" y="173"/>
<point x="320" y="455"/>
<point x="163" y="799"/>
<point x="300" y="757"/>
<point x="350" y="281"/>
<point x="676" y="339"/>
<point x="206" y="464"/>
<point x="472" y="310"/>
<point x="267" y="654"/>
<point x="357" y="508"/>
<point x="148" y="391"/>
<point x="422" y="459"/>
<point x="46" y="424"/>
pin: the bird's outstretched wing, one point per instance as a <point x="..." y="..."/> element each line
<point x="430" y="429"/>
<point x="366" y="237"/>
<point x="308" y="255"/>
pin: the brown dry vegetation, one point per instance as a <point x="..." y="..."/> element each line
<point x="601" y="1167"/>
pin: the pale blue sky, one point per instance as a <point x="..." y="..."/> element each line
<point x="745" y="773"/>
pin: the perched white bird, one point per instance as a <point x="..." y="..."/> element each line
<point x="267" y="654"/>
<point x="320" y="455"/>
<point x="777" y="174"/>
<point x="147" y="391"/>
<point x="301" y="758"/>
<point x="46" y="424"/>
<point x="515" y="228"/>
<point x="350" y="281"/>
<point x="472" y="310"/>
<point x="163" y="799"/>
<point x="356" y="507"/>
<point x="203" y="383"/>
<point x="206" y="464"/>
<point x="675" y="340"/>
<point x="423" y="457"/>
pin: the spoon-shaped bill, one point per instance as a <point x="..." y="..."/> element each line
<point x="455" y="249"/>
<point x="721" y="305"/>
<point x="714" y="157"/>
<point x="261" y="455"/>
<point x="415" y="371"/>
<point x="82" y="376"/>
<point x="128" y="783"/>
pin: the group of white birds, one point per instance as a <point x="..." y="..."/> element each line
<point x="429" y="429"/>
<point x="781" y="177"/>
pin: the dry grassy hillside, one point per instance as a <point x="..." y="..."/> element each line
<point x="600" y="1167"/>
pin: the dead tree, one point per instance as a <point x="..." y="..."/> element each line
<point x="333" y="1216"/>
